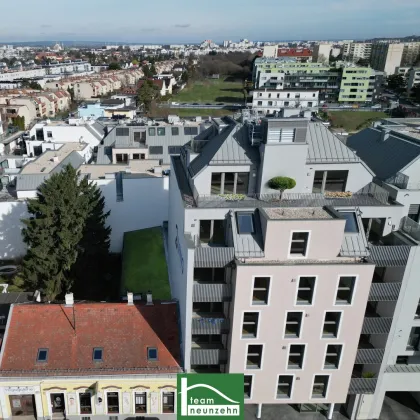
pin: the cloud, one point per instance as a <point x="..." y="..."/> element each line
<point x="46" y="26"/>
<point x="182" y="25"/>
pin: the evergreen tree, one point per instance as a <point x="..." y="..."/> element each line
<point x="67" y="224"/>
<point x="147" y="93"/>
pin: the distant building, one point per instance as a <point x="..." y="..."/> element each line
<point x="354" y="51"/>
<point x="411" y="54"/>
<point x="360" y="84"/>
<point x="321" y="53"/>
<point x="413" y="78"/>
<point x="386" y="57"/>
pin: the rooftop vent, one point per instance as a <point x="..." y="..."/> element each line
<point x="69" y="299"/>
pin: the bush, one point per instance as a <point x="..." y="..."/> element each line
<point x="281" y="183"/>
<point x="368" y="375"/>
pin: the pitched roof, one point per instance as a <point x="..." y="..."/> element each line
<point x="70" y="334"/>
<point x="384" y="157"/>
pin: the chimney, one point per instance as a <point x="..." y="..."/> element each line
<point x="69" y="299"/>
<point x="130" y="300"/>
<point x="149" y="298"/>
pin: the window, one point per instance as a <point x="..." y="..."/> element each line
<point x="190" y="131"/>
<point x="122" y="131"/>
<point x="260" y="290"/>
<point x="152" y="131"/>
<point x="161" y="131"/>
<point x="168" y="402"/>
<point x="345" y="290"/>
<point x="247" y="386"/>
<point x="351" y="222"/>
<point x="320" y="386"/>
<point x="417" y="314"/>
<point x="250" y="325"/>
<point x="113" y="402"/>
<point x="286" y="103"/>
<point x="305" y="292"/>
<point x="259" y="103"/>
<point x="175" y="131"/>
<point x="254" y="356"/>
<point x="152" y="353"/>
<point x="270" y="103"/>
<point x="97" y="354"/>
<point x="414" y="339"/>
<point x="245" y="223"/>
<point x="284" y="386"/>
<point x="299" y="244"/>
<point x="402" y="360"/>
<point x="174" y="150"/>
<point x="296" y="355"/>
<point x="209" y="275"/>
<point x="85" y="400"/>
<point x="140" y="402"/>
<point x="156" y="150"/>
<point x="293" y="325"/>
<point x="333" y="355"/>
<point x="330" y="181"/>
<point x="49" y="134"/>
<point x="42" y="355"/>
<point x="331" y="324"/>
<point x="229" y="183"/>
<point x="212" y="232"/>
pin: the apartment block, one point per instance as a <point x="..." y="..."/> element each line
<point x="354" y="51"/>
<point x="360" y="84"/>
<point x="413" y="78"/>
<point x="386" y="57"/>
<point x="321" y="53"/>
<point x="411" y="54"/>
<point x="269" y="101"/>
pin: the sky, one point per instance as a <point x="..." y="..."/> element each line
<point x="182" y="21"/>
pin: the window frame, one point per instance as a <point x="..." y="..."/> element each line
<point x="300" y="329"/>
<point x="252" y="375"/>
<point x="152" y="359"/>
<point x="327" y="390"/>
<point x="41" y="349"/>
<point x="143" y="391"/>
<point x="162" y="130"/>
<point x="102" y="354"/>
<point x="106" y="402"/>
<point x="356" y="281"/>
<point x="341" y="312"/>
<point x="245" y="213"/>
<point x="242" y="337"/>
<point x="252" y="304"/>
<point x="152" y="149"/>
<point x="292" y="386"/>
<point x="150" y="131"/>
<point x="308" y="242"/>
<point x="161" y="401"/>
<point x="340" y="359"/>
<point x="79" y="406"/>
<point x="292" y="369"/>
<point x="174" y="131"/>
<point x="297" y="304"/>
<point x="261" y="359"/>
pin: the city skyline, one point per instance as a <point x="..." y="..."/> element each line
<point x="187" y="24"/>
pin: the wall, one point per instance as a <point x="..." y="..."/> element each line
<point x="68" y="133"/>
<point x="11" y="243"/>
<point x="145" y="204"/>
<point x="272" y="318"/>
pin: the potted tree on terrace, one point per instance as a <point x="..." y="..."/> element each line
<point x="281" y="183"/>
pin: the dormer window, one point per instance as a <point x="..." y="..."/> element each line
<point x="42" y="355"/>
<point x="97" y="354"/>
<point x="152" y="353"/>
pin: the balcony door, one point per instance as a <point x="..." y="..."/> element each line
<point x="334" y="181"/>
<point x="229" y="183"/>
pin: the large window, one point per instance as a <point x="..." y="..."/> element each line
<point x="299" y="244"/>
<point x="254" y="356"/>
<point x="168" y="402"/>
<point x="414" y="339"/>
<point x="250" y="325"/>
<point x="85" y="400"/>
<point x="296" y="356"/>
<point x="113" y="402"/>
<point x="260" y="290"/>
<point x="320" y="386"/>
<point x="156" y="150"/>
<point x="293" y="325"/>
<point x="229" y="183"/>
<point x="330" y="181"/>
<point x="331" y="324"/>
<point x="306" y="290"/>
<point x="190" y="131"/>
<point x="345" y="290"/>
<point x="245" y="223"/>
<point x="161" y="131"/>
<point x="140" y="402"/>
<point x="333" y="355"/>
<point x="212" y="232"/>
<point x="284" y="386"/>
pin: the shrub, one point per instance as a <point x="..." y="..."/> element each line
<point x="368" y="375"/>
<point x="281" y="183"/>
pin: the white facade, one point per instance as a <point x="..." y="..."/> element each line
<point x="353" y="51"/>
<point x="413" y="78"/>
<point x="268" y="101"/>
<point x="321" y="53"/>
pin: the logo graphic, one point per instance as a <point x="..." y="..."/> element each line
<point x="210" y="395"/>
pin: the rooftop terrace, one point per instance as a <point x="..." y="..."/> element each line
<point x="297" y="213"/>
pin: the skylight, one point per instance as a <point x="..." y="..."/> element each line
<point x="42" y="355"/>
<point x="152" y="353"/>
<point x="351" y="222"/>
<point x="97" y="354"/>
<point x="245" y="223"/>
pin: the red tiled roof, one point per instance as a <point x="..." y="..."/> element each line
<point x="70" y="334"/>
<point x="294" y="52"/>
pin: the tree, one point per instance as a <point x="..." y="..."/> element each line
<point x="146" y="71"/>
<point x="114" y="66"/>
<point x="66" y="223"/>
<point x="415" y="92"/>
<point x="31" y="84"/>
<point x="397" y="82"/>
<point x="71" y="91"/>
<point x="281" y="183"/>
<point x="153" y="69"/>
<point x="19" y="122"/>
<point x="147" y="93"/>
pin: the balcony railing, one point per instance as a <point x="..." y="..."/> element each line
<point x="209" y="256"/>
<point x="362" y="386"/>
<point x="207" y="325"/>
<point x="212" y="292"/>
<point x="376" y="325"/>
<point x="410" y="227"/>
<point x="208" y="356"/>
<point x="369" y="356"/>
<point x="384" y="292"/>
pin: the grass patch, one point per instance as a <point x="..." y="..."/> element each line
<point x="185" y="112"/>
<point x="211" y="91"/>
<point x="144" y="264"/>
<point x="354" y="120"/>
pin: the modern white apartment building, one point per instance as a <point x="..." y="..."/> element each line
<point x="386" y="57"/>
<point x="354" y="51"/>
<point x="262" y="290"/>
<point x="269" y="101"/>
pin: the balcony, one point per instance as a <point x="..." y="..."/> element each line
<point x="212" y="292"/>
<point x="376" y="325"/>
<point x="384" y="292"/>
<point x="362" y="386"/>
<point x="389" y="255"/>
<point x="213" y="256"/>
<point x="208" y="356"/>
<point x="214" y="324"/>
<point x="369" y="356"/>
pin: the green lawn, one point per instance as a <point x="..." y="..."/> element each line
<point x="354" y="120"/>
<point x="196" y="112"/>
<point x="144" y="264"/>
<point x="212" y="91"/>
